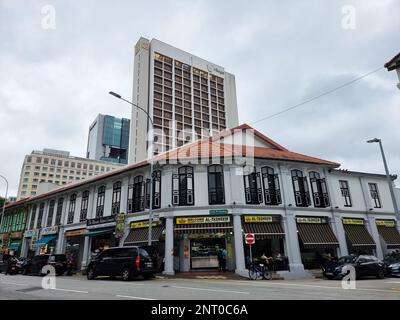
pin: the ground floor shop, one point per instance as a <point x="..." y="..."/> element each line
<point x="358" y="238"/>
<point x="11" y="243"/>
<point x="389" y="235"/>
<point x="317" y="241"/>
<point x="198" y="240"/>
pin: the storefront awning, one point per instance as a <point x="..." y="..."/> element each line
<point x="141" y="235"/>
<point x="264" y="230"/>
<point x="317" y="235"/>
<point x="14" y="245"/>
<point x="98" y="232"/>
<point x="45" y="240"/>
<point x="390" y="235"/>
<point x="358" y="236"/>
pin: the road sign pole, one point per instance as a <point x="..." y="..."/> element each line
<point x="251" y="256"/>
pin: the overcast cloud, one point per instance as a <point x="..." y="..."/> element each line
<point x="54" y="82"/>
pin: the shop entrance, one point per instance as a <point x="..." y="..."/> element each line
<point x="75" y="247"/>
<point x="204" y="252"/>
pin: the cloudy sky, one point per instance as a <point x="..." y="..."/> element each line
<point x="55" y="81"/>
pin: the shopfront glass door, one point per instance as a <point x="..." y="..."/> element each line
<point x="204" y="252"/>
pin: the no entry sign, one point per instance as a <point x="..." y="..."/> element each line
<point x="249" y="238"/>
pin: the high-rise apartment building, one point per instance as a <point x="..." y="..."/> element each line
<point x="57" y="167"/>
<point x="109" y="139"/>
<point x="187" y="97"/>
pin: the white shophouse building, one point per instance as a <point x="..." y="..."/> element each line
<point x="208" y="194"/>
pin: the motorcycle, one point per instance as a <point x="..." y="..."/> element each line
<point x="12" y="266"/>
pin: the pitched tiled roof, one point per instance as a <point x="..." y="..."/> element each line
<point x="207" y="148"/>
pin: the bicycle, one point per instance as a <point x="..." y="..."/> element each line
<point x="258" y="271"/>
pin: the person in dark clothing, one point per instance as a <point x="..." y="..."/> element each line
<point x="11" y="261"/>
<point x="70" y="263"/>
<point x="222" y="260"/>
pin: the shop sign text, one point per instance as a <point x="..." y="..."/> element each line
<point x="386" y="223"/>
<point x="257" y="219"/>
<point x="200" y="220"/>
<point x="100" y="220"/>
<point x="310" y="220"/>
<point x="353" y="221"/>
<point x="49" y="230"/>
<point x="143" y="224"/>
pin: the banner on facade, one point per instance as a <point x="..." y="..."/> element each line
<point x="120" y="225"/>
<point x="29" y="233"/>
<point x="353" y="221"/>
<point x="311" y="220"/>
<point x="144" y="224"/>
<point x="101" y="220"/>
<point x="200" y="220"/>
<point x="258" y="219"/>
<point x="386" y="223"/>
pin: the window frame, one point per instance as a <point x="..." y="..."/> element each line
<point x="216" y="195"/>
<point x="345" y="192"/>
<point x="302" y="193"/>
<point x="270" y="182"/>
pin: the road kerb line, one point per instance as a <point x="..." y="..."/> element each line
<point x="69" y="290"/>
<point x="213" y="290"/>
<point x="131" y="297"/>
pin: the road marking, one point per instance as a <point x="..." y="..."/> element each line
<point x="69" y="290"/>
<point x="14" y="283"/>
<point x="396" y="282"/>
<point x="213" y="290"/>
<point x="276" y="284"/>
<point x="131" y="297"/>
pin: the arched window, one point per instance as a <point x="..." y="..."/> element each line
<point x="319" y="190"/>
<point x="84" y="206"/>
<point x="33" y="217"/>
<point x="272" y="192"/>
<point x="71" y="208"/>
<point x="183" y="187"/>
<point x="101" y="193"/>
<point x="40" y="216"/>
<point x="116" y="198"/>
<point x="216" y="192"/>
<point x="60" y="203"/>
<point x="300" y="188"/>
<point x="50" y="213"/>
<point x="136" y="195"/>
<point x="252" y="187"/>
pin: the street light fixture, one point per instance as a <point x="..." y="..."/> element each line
<point x="151" y="163"/>
<point x="4" y="204"/>
<point x="389" y="180"/>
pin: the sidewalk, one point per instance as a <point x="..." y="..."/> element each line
<point x="209" y="275"/>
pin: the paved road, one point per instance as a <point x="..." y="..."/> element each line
<point x="77" y="287"/>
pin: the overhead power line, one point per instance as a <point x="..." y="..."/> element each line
<point x="318" y="96"/>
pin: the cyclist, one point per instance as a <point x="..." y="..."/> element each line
<point x="267" y="262"/>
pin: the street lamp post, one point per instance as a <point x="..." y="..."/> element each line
<point x="4" y="204"/>
<point x="389" y="180"/>
<point x="151" y="163"/>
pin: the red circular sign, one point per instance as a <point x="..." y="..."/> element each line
<point x="249" y="238"/>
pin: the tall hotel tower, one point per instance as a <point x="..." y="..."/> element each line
<point x="188" y="98"/>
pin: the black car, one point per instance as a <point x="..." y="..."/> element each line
<point x="36" y="264"/>
<point x="392" y="263"/>
<point x="124" y="262"/>
<point x="364" y="265"/>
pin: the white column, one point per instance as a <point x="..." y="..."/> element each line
<point x="337" y="226"/>
<point x="169" y="246"/>
<point x="108" y="199"/>
<point x="371" y="226"/>
<point x="60" y="241"/>
<point x="24" y="247"/>
<point x="86" y="252"/>
<point x="124" y="195"/>
<point x="292" y="244"/>
<point x="166" y="189"/>
<point x="92" y="197"/>
<point x="239" y="250"/>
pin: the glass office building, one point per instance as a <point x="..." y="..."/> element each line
<point x="109" y="139"/>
